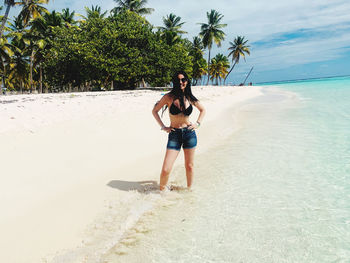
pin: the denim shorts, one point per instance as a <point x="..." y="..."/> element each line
<point x="182" y="137"/>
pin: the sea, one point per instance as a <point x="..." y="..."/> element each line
<point x="275" y="190"/>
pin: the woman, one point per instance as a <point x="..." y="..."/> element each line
<point x="181" y="131"/>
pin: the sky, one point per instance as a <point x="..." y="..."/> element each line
<point x="288" y="39"/>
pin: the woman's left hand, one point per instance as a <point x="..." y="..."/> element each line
<point x="193" y="126"/>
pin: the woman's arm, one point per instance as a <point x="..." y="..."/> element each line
<point x="163" y="101"/>
<point x="201" y="109"/>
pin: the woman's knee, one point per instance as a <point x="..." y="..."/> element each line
<point x="166" y="170"/>
<point x="189" y="166"/>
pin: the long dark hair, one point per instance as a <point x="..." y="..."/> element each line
<point x="177" y="93"/>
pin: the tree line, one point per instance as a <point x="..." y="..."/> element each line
<point x="63" y="51"/>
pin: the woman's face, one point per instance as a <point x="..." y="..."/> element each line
<point x="183" y="81"/>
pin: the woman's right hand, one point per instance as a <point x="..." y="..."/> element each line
<point x="168" y="129"/>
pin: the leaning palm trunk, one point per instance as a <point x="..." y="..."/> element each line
<point x="230" y="72"/>
<point x="3" y="85"/>
<point x="41" y="79"/>
<point x="4" y="19"/>
<point x="208" y="67"/>
<point x="31" y="72"/>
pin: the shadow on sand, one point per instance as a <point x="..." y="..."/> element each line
<point x="145" y="187"/>
<point x="142" y="186"/>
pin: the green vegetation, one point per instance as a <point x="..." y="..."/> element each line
<point x="54" y="51"/>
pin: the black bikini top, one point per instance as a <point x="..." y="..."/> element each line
<point x="174" y="110"/>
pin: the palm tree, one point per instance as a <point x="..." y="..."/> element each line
<point x="211" y="32"/>
<point x="18" y="69"/>
<point x="171" y="30"/>
<point x="199" y="63"/>
<point x="9" y="4"/>
<point x="5" y="57"/>
<point x="198" y="44"/>
<point x="32" y="9"/>
<point x="238" y="49"/>
<point x="172" y="23"/>
<point x="18" y="66"/>
<point x="68" y="17"/>
<point x="218" y="67"/>
<point x="137" y="6"/>
<point x="17" y="33"/>
<point x="94" y="12"/>
<point x="49" y="21"/>
<point x="38" y="35"/>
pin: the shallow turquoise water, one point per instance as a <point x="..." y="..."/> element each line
<point x="278" y="190"/>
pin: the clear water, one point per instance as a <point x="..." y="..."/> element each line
<point x="277" y="190"/>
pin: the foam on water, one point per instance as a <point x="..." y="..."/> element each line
<point x="276" y="190"/>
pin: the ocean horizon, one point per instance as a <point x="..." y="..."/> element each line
<point x="276" y="82"/>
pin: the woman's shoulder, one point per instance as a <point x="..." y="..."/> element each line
<point x="166" y="99"/>
<point x="169" y="97"/>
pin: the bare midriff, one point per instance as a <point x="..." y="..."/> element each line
<point x="179" y="121"/>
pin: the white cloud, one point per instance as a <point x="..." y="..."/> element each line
<point x="268" y="20"/>
<point x="283" y="56"/>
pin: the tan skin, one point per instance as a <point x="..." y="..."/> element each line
<point x="177" y="121"/>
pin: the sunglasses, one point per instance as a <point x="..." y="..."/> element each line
<point x="183" y="80"/>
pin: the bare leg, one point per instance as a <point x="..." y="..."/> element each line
<point x="189" y="160"/>
<point x="169" y="159"/>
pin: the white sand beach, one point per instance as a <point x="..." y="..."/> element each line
<point x="70" y="164"/>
